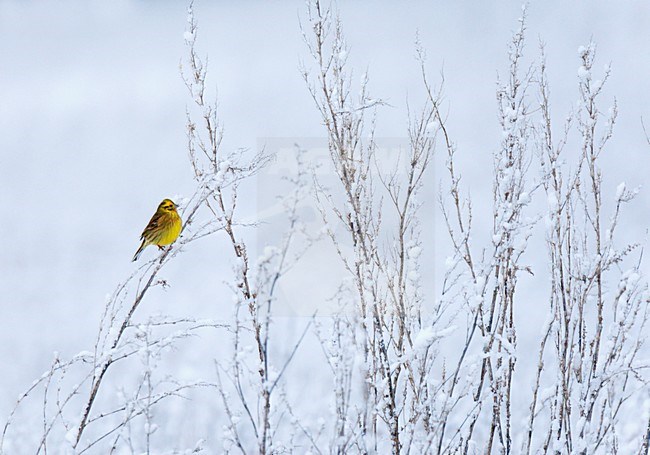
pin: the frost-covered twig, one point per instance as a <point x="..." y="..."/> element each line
<point x="384" y="297"/>
<point x="596" y="334"/>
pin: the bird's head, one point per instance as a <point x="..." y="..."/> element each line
<point x="167" y="205"/>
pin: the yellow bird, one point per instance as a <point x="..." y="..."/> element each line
<point x="163" y="228"/>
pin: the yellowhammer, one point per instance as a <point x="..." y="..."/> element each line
<point x="163" y="229"/>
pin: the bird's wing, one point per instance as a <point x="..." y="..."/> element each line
<point x="152" y="226"/>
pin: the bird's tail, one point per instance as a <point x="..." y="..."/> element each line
<point x="139" y="252"/>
